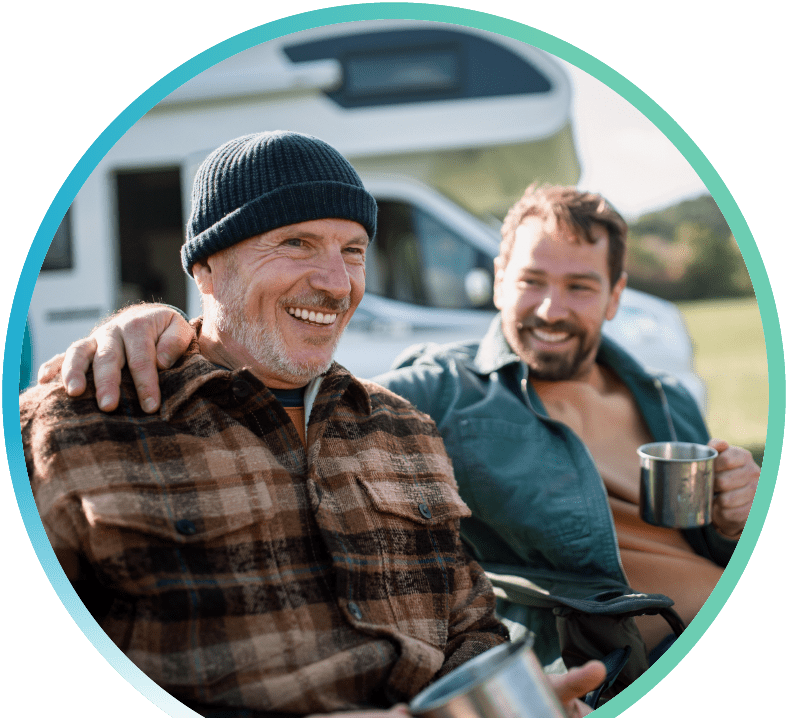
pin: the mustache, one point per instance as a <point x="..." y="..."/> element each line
<point x="317" y="300"/>
<point x="534" y="322"/>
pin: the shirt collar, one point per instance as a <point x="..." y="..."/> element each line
<point x="193" y="371"/>
<point x="494" y="351"/>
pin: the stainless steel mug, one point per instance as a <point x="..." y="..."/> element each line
<point x="504" y="682"/>
<point x="676" y="483"/>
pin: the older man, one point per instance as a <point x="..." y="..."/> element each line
<point x="281" y="538"/>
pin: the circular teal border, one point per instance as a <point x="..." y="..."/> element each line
<point x="379" y="11"/>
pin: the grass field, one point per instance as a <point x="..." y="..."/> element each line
<point x="730" y="357"/>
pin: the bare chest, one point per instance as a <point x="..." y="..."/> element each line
<point x="609" y="424"/>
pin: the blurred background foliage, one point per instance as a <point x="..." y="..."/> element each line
<point x="687" y="254"/>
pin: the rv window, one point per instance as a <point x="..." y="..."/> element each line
<point x="403" y="72"/>
<point x="421" y="65"/>
<point x="447" y="259"/>
<point x="59" y="254"/>
<point x="417" y="259"/>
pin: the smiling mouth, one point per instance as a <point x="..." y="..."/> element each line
<point x="550" y="337"/>
<point x="310" y="316"/>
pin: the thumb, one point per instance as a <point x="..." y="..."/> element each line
<point x="578" y="681"/>
<point x="719" y="444"/>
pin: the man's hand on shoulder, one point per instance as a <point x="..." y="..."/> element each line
<point x="147" y="337"/>
<point x="735" y="481"/>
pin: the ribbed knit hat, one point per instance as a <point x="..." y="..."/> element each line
<point x="256" y="183"/>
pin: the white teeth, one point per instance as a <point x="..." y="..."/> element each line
<point x="552" y="337"/>
<point x="315" y="317"/>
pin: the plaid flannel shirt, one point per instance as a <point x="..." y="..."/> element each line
<point x="244" y="572"/>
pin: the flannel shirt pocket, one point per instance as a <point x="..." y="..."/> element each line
<point x="182" y="516"/>
<point x="424" y="501"/>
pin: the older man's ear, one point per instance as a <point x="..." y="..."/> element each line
<point x="203" y="276"/>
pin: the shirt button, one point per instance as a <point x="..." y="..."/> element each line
<point x="424" y="510"/>
<point x="355" y="611"/>
<point x="241" y="389"/>
<point x="185" y="527"/>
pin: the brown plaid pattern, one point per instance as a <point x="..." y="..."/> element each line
<point x="241" y="571"/>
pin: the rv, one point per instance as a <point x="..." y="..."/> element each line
<point x="446" y="125"/>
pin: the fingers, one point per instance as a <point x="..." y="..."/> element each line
<point x="577" y="682"/>
<point x="735" y="484"/>
<point x="108" y="362"/>
<point x="732" y="457"/>
<point x="76" y="362"/>
<point x="141" y="359"/>
<point x="719" y="444"/>
<point x="150" y="340"/>
<point x="146" y="337"/>
<point x="731" y="510"/>
<point x="174" y="341"/>
<point x="49" y="369"/>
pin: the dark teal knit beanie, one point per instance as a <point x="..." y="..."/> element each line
<point x="256" y="183"/>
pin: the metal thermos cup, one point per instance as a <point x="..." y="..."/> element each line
<point x="676" y="484"/>
<point x="504" y="682"/>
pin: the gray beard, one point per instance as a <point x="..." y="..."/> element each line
<point x="266" y="346"/>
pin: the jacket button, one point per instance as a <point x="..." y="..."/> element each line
<point x="185" y="527"/>
<point x="424" y="510"/>
<point x="241" y="389"/>
<point x="355" y="611"/>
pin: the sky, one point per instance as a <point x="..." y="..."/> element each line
<point x="623" y="155"/>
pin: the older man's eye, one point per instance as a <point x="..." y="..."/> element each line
<point x="357" y="255"/>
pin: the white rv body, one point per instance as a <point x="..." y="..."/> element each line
<point x="446" y="124"/>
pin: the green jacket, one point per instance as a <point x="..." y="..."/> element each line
<point x="539" y="505"/>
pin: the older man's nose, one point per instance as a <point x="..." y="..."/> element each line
<point x="332" y="277"/>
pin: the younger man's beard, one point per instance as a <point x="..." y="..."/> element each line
<point x="550" y="366"/>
